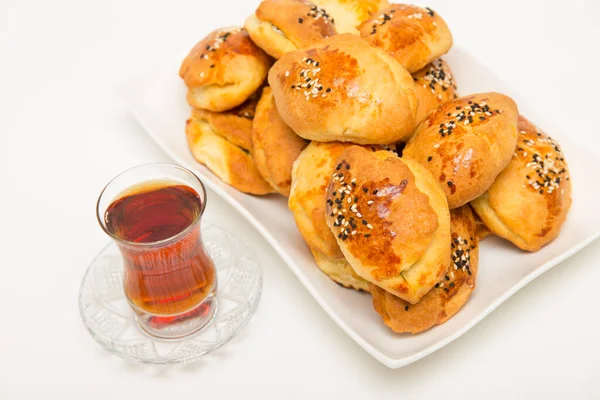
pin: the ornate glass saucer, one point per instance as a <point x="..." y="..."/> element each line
<point x="111" y="321"/>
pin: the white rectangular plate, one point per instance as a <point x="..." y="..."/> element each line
<point x="158" y="101"/>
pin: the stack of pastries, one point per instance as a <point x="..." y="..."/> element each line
<point x="393" y="178"/>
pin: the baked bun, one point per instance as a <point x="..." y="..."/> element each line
<point x="449" y="295"/>
<point x="280" y="26"/>
<point x="310" y="178"/>
<point x="391" y="220"/>
<point x="349" y="14"/>
<point x="276" y="146"/>
<point x="207" y="135"/>
<point x="223" y="70"/>
<point x="529" y="201"/>
<point x="342" y="89"/>
<point x="466" y="143"/>
<point x="434" y="86"/>
<point x="234" y="125"/>
<point x="415" y="36"/>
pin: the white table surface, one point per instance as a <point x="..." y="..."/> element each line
<point x="64" y="134"/>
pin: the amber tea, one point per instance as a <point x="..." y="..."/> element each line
<point x="171" y="274"/>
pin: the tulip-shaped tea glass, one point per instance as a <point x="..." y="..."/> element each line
<point x="153" y="214"/>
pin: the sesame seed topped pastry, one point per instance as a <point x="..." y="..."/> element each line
<point x="434" y="86"/>
<point x="466" y="143"/>
<point x="391" y="220"/>
<point x="529" y="201"/>
<point x="223" y="70"/>
<point x="342" y="89"/>
<point x="449" y="295"/>
<point x="310" y="178"/>
<point x="223" y="142"/>
<point x="276" y="146"/>
<point x="280" y="26"/>
<point x="349" y="14"/>
<point x="415" y="36"/>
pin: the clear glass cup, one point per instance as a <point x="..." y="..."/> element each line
<point x="170" y="283"/>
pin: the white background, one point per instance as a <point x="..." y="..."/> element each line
<point x="64" y="134"/>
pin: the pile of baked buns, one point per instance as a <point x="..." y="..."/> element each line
<point x="346" y="108"/>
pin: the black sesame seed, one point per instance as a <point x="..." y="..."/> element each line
<point x="446" y="290"/>
<point x="365" y="190"/>
<point x="429" y="158"/>
<point x="375" y="191"/>
<point x="450" y="183"/>
<point x="367" y="234"/>
<point x="300" y="20"/>
<point x="406" y="308"/>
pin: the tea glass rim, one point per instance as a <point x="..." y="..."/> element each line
<point x="170" y="239"/>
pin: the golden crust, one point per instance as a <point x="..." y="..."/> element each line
<point x="391" y="219"/>
<point x="415" y="36"/>
<point x="223" y="70"/>
<point x="276" y="146"/>
<point x="449" y="295"/>
<point x="310" y="177"/>
<point x="227" y="161"/>
<point x="234" y="125"/>
<point x="353" y="88"/>
<point x="280" y="26"/>
<point x="529" y="201"/>
<point x="466" y="155"/>
<point x="349" y="14"/>
<point x="434" y="86"/>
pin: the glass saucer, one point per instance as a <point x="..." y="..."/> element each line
<point x="109" y="318"/>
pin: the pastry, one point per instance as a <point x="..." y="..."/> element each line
<point x="342" y="89"/>
<point x="466" y="143"/>
<point x="349" y="14"/>
<point x="280" y="26"/>
<point x="529" y="201"/>
<point x="391" y="220"/>
<point x="415" y="36"/>
<point x="223" y="70"/>
<point x="220" y="141"/>
<point x="434" y="86"/>
<point x="276" y="146"/>
<point x="234" y="125"/>
<point x="310" y="178"/>
<point x="449" y="295"/>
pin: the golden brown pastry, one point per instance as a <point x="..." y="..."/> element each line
<point x="222" y="142"/>
<point x="415" y="36"/>
<point x="280" y="26"/>
<point x="342" y="89"/>
<point x="349" y="14"/>
<point x="466" y="143"/>
<point x="234" y="125"/>
<point x="391" y="220"/>
<point x="529" y="201"/>
<point x="276" y="146"/>
<point x="310" y="178"/>
<point x="223" y="70"/>
<point x="449" y="295"/>
<point x="434" y="86"/>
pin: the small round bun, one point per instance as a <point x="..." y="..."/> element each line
<point x="342" y="89"/>
<point x="449" y="295"/>
<point x="280" y="26"/>
<point x="349" y="14"/>
<point x="220" y="142"/>
<point x="434" y="86"/>
<point x="310" y="178"/>
<point x="529" y="201"/>
<point x="276" y="146"/>
<point x="223" y="70"/>
<point x="466" y="143"/>
<point x="415" y="36"/>
<point x="391" y="220"/>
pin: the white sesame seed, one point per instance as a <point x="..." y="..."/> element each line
<point x="359" y="215"/>
<point x="435" y="146"/>
<point x="370" y="202"/>
<point x="349" y="200"/>
<point x="369" y="226"/>
<point x="353" y="233"/>
<point x="287" y="73"/>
